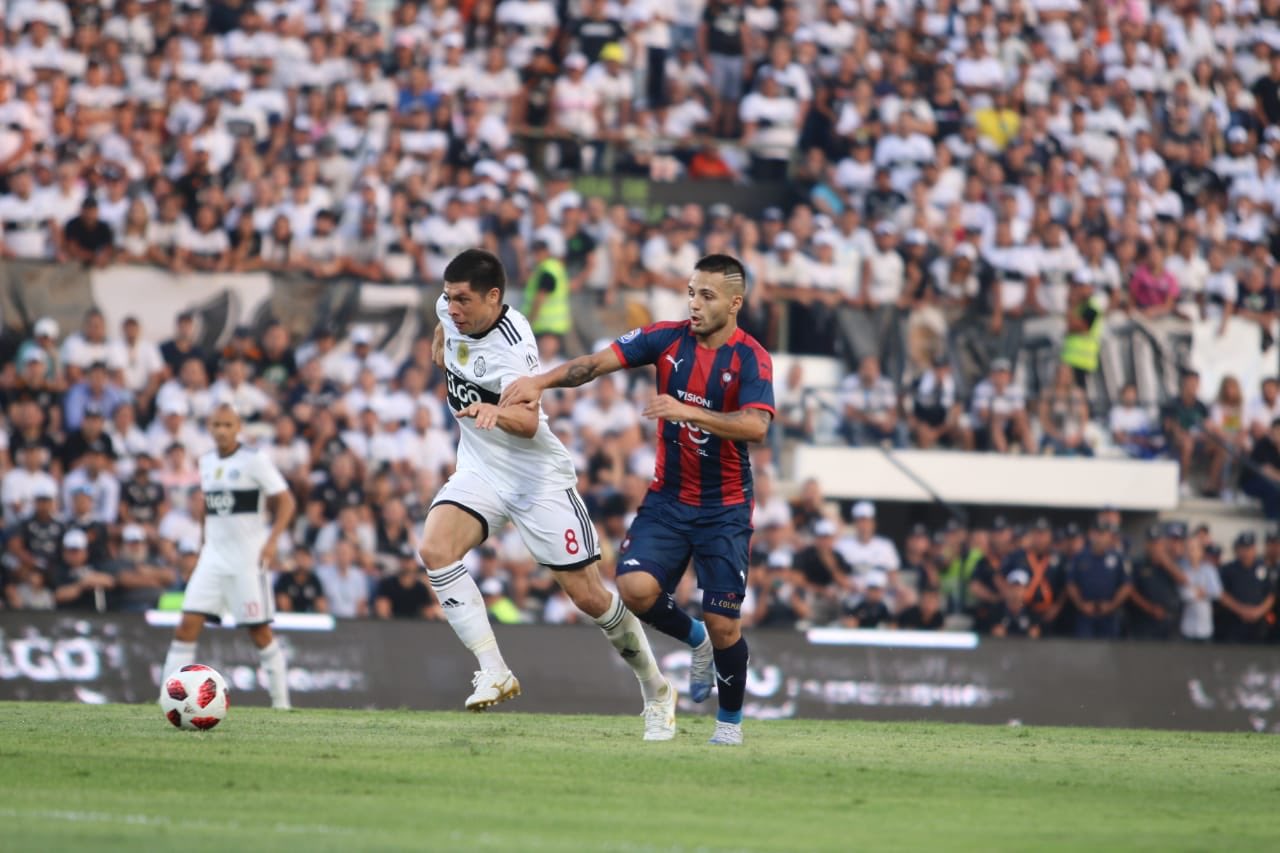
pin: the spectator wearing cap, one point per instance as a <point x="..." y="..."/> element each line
<point x="1158" y="577"/>
<point x="998" y="411"/>
<point x="33" y="383"/>
<point x="1183" y="419"/>
<point x="1044" y="592"/>
<point x="871" y="408"/>
<point x="547" y="294"/>
<point x="865" y="551"/>
<point x="140" y="578"/>
<point x="1248" y="595"/>
<point x="804" y="318"/>
<point x="827" y="576"/>
<point x="1098" y="584"/>
<point x="1014" y="619"/>
<point x="869" y="609"/>
<point x="297" y="590"/>
<point x="88" y="240"/>
<point x="403" y="595"/>
<point x="34" y="542"/>
<point x="778" y="597"/>
<point x="79" y="583"/>
<point x="44" y="340"/>
<point x="936" y="416"/>
<point x="1064" y="416"/>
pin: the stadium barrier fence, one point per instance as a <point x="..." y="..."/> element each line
<point x="871" y="675"/>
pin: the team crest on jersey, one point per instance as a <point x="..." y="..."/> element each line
<point x="235" y="474"/>
<point x="629" y="336"/>
<point x="217" y="475"/>
<point x="726" y="377"/>
<point x="464" y="352"/>
<point x="479" y="367"/>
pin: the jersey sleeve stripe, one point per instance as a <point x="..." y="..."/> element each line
<point x="617" y="350"/>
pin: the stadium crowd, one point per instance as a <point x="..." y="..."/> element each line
<point x="951" y="172"/>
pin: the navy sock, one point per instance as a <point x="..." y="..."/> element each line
<point x="668" y="618"/>
<point x="731" y="681"/>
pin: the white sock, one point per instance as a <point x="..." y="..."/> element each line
<point x="180" y="654"/>
<point x="272" y="658"/>
<point x="463" y="606"/>
<point x="626" y="633"/>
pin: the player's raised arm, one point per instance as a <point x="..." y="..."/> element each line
<point x="571" y="374"/>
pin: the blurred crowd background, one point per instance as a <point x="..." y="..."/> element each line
<point x="941" y="175"/>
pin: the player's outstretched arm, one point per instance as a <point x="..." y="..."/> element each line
<point x="517" y="420"/>
<point x="750" y="424"/>
<point x="571" y="374"/>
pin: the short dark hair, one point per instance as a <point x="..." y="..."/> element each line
<point x="478" y="268"/>
<point x="727" y="265"/>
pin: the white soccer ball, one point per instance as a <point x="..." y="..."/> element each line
<point x="195" y="697"/>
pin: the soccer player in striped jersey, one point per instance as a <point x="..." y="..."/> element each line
<point x="715" y="396"/>
<point x="512" y="468"/>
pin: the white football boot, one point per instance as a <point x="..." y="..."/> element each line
<point x="727" y="734"/>
<point x="492" y="688"/>
<point x="660" y="716"/>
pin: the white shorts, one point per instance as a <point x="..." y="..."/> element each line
<point x="246" y="595"/>
<point x="554" y="525"/>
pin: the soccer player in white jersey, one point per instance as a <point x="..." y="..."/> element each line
<point x="512" y="468"/>
<point x="231" y="575"/>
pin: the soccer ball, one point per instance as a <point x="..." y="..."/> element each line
<point x="195" y="697"/>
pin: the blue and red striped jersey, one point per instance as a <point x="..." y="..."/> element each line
<point x="695" y="467"/>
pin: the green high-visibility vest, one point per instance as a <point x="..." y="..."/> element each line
<point x="1080" y="349"/>
<point x="553" y="317"/>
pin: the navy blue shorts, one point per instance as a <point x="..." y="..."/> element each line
<point x="666" y="533"/>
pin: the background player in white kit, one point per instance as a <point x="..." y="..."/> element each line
<point x="511" y="467"/>
<point x="238" y="484"/>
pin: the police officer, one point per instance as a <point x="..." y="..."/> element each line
<point x="1098" y="583"/>
<point x="1248" y="594"/>
<point x="1155" y="602"/>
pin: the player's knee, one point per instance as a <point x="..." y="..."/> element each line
<point x="188" y="630"/>
<point x="723" y="630"/>
<point x="436" y="554"/>
<point x="261" y="635"/>
<point x="639" y="592"/>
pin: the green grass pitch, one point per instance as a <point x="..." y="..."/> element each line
<point x="118" y="777"/>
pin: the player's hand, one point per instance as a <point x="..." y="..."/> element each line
<point x="267" y="556"/>
<point x="523" y="390"/>
<point x="485" y="414"/>
<point x="667" y="408"/>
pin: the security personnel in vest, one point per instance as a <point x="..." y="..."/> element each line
<point x="546" y="294"/>
<point x="1248" y="594"/>
<point x="1042" y="593"/>
<point x="1155" y="603"/>
<point x="1084" y="328"/>
<point x="1098" y="585"/>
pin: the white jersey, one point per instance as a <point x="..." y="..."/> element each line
<point x="235" y="521"/>
<point x="477" y="368"/>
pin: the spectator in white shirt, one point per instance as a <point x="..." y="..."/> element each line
<point x="1132" y="425"/>
<point x="999" y="411"/>
<point x="870" y="406"/>
<point x="867" y="553"/>
<point x="771" y="120"/>
<point x="1264" y="410"/>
